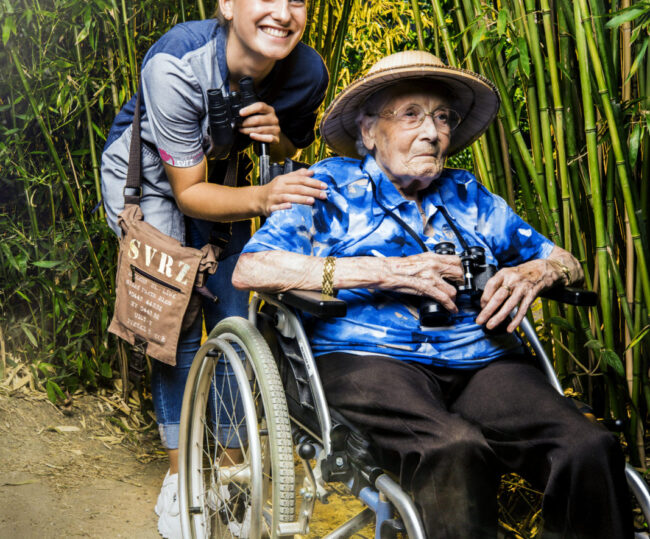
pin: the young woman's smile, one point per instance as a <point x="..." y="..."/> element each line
<point x="267" y="30"/>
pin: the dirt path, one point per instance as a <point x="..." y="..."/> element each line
<point x="74" y="472"/>
<point x="69" y="475"/>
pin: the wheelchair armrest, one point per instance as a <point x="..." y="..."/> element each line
<point x="314" y="302"/>
<point x="572" y="296"/>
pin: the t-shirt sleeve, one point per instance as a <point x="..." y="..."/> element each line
<point x="285" y="230"/>
<point x="309" y="230"/>
<point x="511" y="239"/>
<point x="173" y="101"/>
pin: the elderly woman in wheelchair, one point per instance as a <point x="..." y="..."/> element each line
<point x="422" y="365"/>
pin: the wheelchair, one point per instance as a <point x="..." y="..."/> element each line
<point x="254" y="395"/>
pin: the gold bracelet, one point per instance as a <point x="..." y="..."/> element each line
<point x="563" y="269"/>
<point x="328" y="276"/>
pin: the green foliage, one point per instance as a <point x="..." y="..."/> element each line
<point x="570" y="150"/>
<point x="573" y="136"/>
<point x="66" y="74"/>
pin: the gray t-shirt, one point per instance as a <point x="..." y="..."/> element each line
<point x="176" y="73"/>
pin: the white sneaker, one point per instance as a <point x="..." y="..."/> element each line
<point x="167" y="509"/>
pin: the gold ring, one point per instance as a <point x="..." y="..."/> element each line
<point x="507" y="288"/>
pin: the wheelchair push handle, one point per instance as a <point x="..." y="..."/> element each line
<point x="268" y="170"/>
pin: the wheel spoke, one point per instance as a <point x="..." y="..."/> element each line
<point x="230" y="461"/>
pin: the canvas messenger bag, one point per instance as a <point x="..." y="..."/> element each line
<point x="159" y="281"/>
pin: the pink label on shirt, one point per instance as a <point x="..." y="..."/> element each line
<point x="165" y="156"/>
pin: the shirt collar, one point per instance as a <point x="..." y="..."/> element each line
<point x="388" y="194"/>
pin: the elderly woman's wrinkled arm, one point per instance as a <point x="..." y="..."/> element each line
<point x="423" y="274"/>
<point x="520" y="285"/>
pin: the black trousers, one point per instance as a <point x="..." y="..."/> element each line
<point x="451" y="433"/>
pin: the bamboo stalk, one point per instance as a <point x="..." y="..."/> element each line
<point x="91" y="132"/>
<point x="418" y="23"/>
<point x="329" y="35"/>
<point x="477" y="152"/>
<point x="598" y="13"/>
<point x="510" y="189"/>
<point x="111" y="74"/>
<point x="621" y="163"/>
<point x="594" y="176"/>
<point x="626" y="94"/>
<point x="544" y="115"/>
<point x="129" y="50"/>
<point x="559" y="127"/>
<point x="120" y="49"/>
<point x="59" y="167"/>
<point x="335" y="68"/>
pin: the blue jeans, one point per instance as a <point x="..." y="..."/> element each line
<point x="168" y="382"/>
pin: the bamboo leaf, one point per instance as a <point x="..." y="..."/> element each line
<point x="524" y="59"/>
<point x="105" y="370"/>
<point x="611" y="358"/>
<point x="638" y="338"/>
<point x="8" y="28"/>
<point x="594" y="344"/>
<point x="54" y="391"/>
<point x="47" y="263"/>
<point x="635" y="140"/>
<point x="626" y="15"/>
<point x="83" y="34"/>
<point x="47" y="368"/>
<point x="562" y="323"/>
<point x="502" y="21"/>
<point x="29" y="335"/>
<point x="477" y="37"/>
<point x="639" y="58"/>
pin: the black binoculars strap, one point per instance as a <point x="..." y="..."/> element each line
<point x="412" y="232"/>
<point x="450" y="222"/>
<point x="399" y="220"/>
<point x="134" y="171"/>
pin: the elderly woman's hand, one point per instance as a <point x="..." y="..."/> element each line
<point x="520" y="285"/>
<point x="425" y="274"/>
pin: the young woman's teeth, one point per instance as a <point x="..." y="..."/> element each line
<point x="275" y="32"/>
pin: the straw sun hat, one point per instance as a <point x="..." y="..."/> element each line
<point x="476" y="99"/>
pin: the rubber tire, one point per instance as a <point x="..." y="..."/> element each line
<point x="278" y="474"/>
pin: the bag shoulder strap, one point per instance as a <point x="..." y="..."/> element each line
<point x="134" y="172"/>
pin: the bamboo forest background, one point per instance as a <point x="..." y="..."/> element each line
<point x="570" y="151"/>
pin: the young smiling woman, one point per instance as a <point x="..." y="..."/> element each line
<point x="255" y="38"/>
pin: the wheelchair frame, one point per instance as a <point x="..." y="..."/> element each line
<point x="376" y="489"/>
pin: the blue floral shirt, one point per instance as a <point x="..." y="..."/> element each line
<point x="351" y="222"/>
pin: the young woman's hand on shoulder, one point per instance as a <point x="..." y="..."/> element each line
<point x="297" y="187"/>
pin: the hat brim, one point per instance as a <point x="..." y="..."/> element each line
<point x="475" y="99"/>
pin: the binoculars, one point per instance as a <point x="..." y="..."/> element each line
<point x="224" y="118"/>
<point x="223" y="114"/>
<point x="476" y="275"/>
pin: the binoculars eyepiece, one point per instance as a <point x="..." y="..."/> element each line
<point x="223" y="114"/>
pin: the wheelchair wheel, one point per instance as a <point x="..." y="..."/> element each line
<point x="236" y="466"/>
